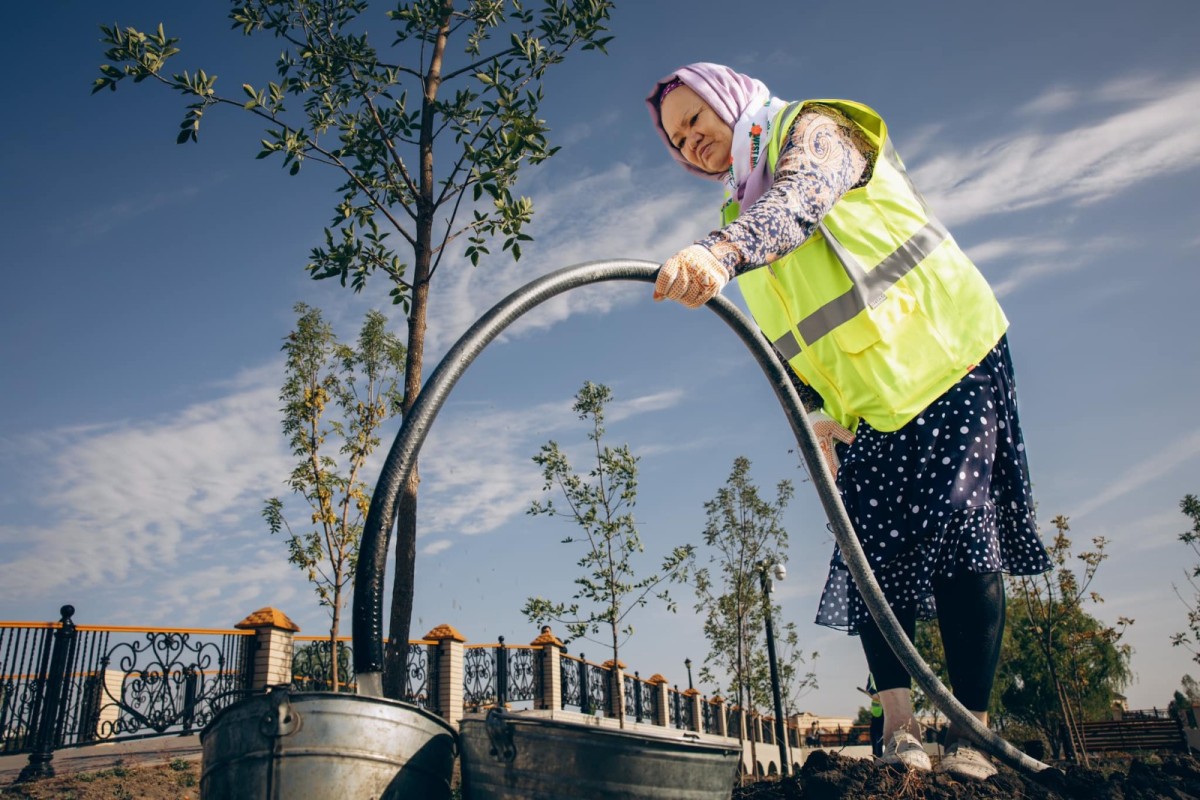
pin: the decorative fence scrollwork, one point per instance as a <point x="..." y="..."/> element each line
<point x="63" y="685"/>
<point x="167" y="681"/>
<point x="585" y="685"/>
<point x="707" y="718"/>
<point x="499" y="675"/>
<point x="312" y="667"/>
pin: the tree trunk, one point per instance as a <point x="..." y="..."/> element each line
<point x="396" y="653"/>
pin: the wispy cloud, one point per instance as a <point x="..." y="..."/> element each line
<point x="1112" y="148"/>
<point x="603" y="215"/>
<point x="477" y="469"/>
<point x="138" y="498"/>
<point x="1163" y="462"/>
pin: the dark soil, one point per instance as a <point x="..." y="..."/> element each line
<point x="828" y="776"/>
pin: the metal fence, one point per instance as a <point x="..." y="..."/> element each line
<point x="65" y="685"/>
<point x="312" y="669"/>
<point x="641" y="699"/>
<point x="584" y="685"/>
<point x="500" y="675"/>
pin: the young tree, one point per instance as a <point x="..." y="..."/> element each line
<point x="1061" y="664"/>
<point x="347" y="392"/>
<point x="429" y="141"/>
<point x="600" y="503"/>
<point x="1190" y="638"/>
<point x="744" y="535"/>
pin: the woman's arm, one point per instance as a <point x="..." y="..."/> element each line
<point x="824" y="156"/>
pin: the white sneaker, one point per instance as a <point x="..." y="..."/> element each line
<point x="963" y="761"/>
<point x="905" y="751"/>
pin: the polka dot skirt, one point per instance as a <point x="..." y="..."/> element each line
<point x="947" y="493"/>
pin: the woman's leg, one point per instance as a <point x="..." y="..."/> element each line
<point x="891" y="678"/>
<point x="971" y="618"/>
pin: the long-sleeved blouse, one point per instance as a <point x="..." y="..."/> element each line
<point x="825" y="156"/>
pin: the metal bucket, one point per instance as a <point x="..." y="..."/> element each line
<point x="508" y="756"/>
<point x="325" y="746"/>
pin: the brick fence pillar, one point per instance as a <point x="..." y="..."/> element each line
<point x="274" y="643"/>
<point x="450" y="667"/>
<point x="693" y="697"/>
<point x="662" y="711"/>
<point x="718" y="710"/>
<point x="550" y="689"/>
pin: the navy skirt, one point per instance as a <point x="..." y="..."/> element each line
<point x="947" y="493"/>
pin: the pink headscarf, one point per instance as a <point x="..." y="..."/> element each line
<point x="736" y="98"/>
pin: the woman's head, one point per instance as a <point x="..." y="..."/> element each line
<point x="695" y="110"/>
<point x="695" y="131"/>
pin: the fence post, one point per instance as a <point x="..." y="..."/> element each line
<point x="662" y="711"/>
<point x="637" y="696"/>
<point x="585" y="700"/>
<point x="274" y="645"/>
<point x="451" y="666"/>
<point x="550" y="686"/>
<point x="501" y="675"/>
<point x="53" y="685"/>
<point x="693" y="696"/>
<point x="721" y="722"/>
<point x="189" y="700"/>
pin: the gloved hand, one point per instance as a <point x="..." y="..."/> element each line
<point x="693" y="276"/>
<point x="827" y="430"/>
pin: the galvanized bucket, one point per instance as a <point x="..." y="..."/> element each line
<point x="325" y="746"/>
<point x="507" y="756"/>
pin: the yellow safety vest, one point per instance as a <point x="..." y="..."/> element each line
<point x="879" y="311"/>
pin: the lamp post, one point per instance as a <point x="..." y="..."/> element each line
<point x="780" y="573"/>
<point x="687" y="662"/>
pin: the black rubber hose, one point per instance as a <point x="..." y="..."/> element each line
<point x="373" y="549"/>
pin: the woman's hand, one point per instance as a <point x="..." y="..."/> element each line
<point x="827" y="432"/>
<point x="693" y="276"/>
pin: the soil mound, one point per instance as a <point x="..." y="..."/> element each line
<point x="828" y="776"/>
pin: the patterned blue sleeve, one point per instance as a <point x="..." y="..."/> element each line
<point x="824" y="156"/>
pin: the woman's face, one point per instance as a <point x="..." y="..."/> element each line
<point x="703" y="138"/>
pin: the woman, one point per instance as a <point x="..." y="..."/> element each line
<point x="901" y="346"/>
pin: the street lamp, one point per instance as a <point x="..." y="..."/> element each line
<point x="687" y="662"/>
<point x="780" y="572"/>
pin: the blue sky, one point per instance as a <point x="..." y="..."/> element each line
<point x="148" y="287"/>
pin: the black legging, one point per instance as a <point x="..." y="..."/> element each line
<point x="970" y="611"/>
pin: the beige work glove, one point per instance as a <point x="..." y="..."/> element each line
<point x="828" y="431"/>
<point x="693" y="276"/>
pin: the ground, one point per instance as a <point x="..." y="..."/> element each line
<point x="825" y="776"/>
<point x="178" y="779"/>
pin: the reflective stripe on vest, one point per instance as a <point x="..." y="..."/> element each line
<point x="868" y="288"/>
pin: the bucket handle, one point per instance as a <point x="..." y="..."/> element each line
<point x="281" y="719"/>
<point x="501" y="736"/>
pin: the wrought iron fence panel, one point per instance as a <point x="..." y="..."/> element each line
<point x="523" y="673"/>
<point x="599" y="685"/>
<point x="24" y="656"/>
<point x="633" y="708"/>
<point x="649" y="693"/>
<point x="674" y="709"/>
<point x="708" y="721"/>
<point x="421" y="682"/>
<point x="312" y="667"/>
<point x="167" y="682"/>
<point x="687" y="712"/>
<point x="479" y="677"/>
<point x="572" y="687"/>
